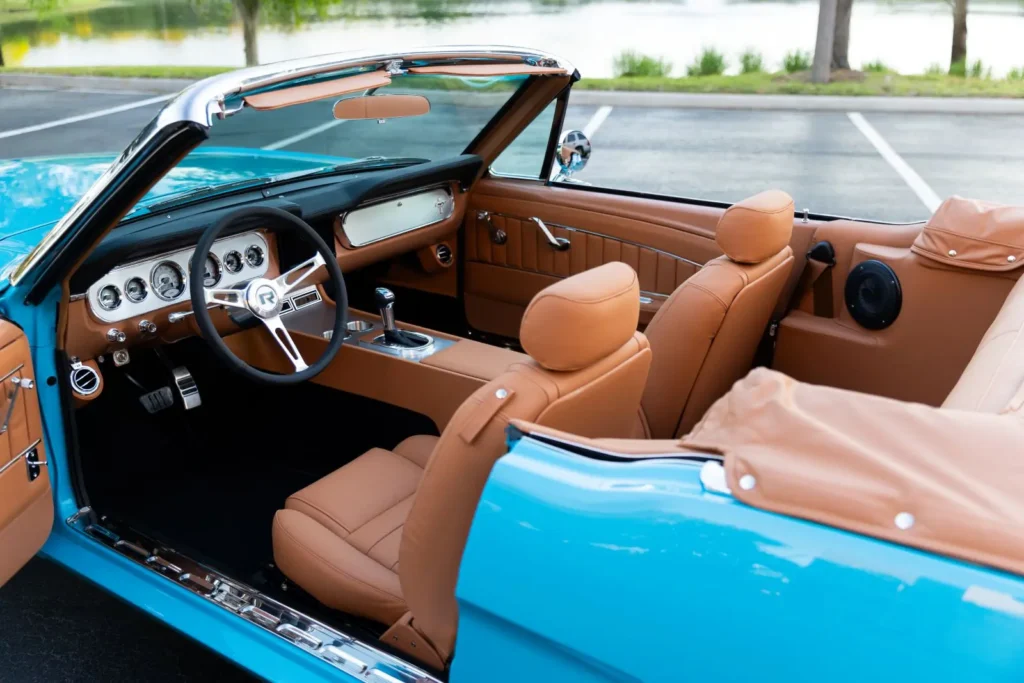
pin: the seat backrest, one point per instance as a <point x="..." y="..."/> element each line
<point x="993" y="381"/>
<point x="587" y="372"/>
<point x="705" y="335"/>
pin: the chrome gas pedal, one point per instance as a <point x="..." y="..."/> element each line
<point x="187" y="388"/>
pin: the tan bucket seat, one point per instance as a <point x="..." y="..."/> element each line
<point x="705" y="335"/>
<point x="382" y="537"/>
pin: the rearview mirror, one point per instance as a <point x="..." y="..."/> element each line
<point x="572" y="153"/>
<point x="381" y="107"/>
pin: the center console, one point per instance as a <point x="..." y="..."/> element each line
<point x="423" y="370"/>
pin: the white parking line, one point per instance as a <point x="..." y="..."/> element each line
<point x="596" y="120"/>
<point x="83" y="117"/>
<point x="925" y="193"/>
<point x="305" y="134"/>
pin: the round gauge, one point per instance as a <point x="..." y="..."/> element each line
<point x="211" y="271"/>
<point x="168" y="280"/>
<point x="109" y="297"/>
<point x="233" y="262"/>
<point x="254" y="256"/>
<point x="136" y="290"/>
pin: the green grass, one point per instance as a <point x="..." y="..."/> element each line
<point x="896" y="85"/>
<point x="876" y="67"/>
<point x="22" y="10"/>
<point x="795" y="61"/>
<point x="710" y="62"/>
<point x="751" y="62"/>
<point x="632" y="63"/>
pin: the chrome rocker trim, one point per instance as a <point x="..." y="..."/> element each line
<point x="216" y="97"/>
<point x="343" y="652"/>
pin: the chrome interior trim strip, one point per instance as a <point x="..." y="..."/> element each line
<point x="12" y="372"/>
<point x="19" y="456"/>
<point x="356" y="658"/>
<point x="601" y="234"/>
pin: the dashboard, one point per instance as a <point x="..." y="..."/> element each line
<point x="142" y="287"/>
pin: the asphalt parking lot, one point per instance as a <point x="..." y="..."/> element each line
<point x="875" y="165"/>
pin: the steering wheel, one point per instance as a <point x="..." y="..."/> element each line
<point x="263" y="298"/>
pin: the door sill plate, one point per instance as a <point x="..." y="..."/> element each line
<point x="354" y="657"/>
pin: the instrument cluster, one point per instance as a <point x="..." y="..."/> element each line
<point x="144" y="286"/>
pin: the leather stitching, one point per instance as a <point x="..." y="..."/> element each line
<point x="707" y="291"/>
<point x="335" y="568"/>
<point x="322" y="512"/>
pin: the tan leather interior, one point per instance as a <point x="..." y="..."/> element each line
<point x="26" y="506"/>
<point x="599" y="397"/>
<point x="300" y="94"/>
<point x="705" y="336"/>
<point x="946" y="310"/>
<point x="971" y="234"/>
<point x="381" y="107"/>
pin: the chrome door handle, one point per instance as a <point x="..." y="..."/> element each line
<point x="498" y="236"/>
<point x="556" y="243"/>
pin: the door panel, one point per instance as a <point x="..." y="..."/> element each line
<point x="26" y="505"/>
<point x="665" y="242"/>
<point x="944" y="315"/>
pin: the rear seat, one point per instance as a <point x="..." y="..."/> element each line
<point x="994" y="379"/>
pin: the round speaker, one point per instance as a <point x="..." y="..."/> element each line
<point x="873" y="295"/>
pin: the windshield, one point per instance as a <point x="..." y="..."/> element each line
<point x="254" y="147"/>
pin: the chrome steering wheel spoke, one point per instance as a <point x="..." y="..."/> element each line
<point x="284" y="339"/>
<point x="230" y="298"/>
<point x="291" y="279"/>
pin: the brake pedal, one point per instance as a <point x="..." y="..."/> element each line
<point x="187" y="388"/>
<point x="158" y="400"/>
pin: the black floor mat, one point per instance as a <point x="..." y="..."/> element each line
<point x="208" y="481"/>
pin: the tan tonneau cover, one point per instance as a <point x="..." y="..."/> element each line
<point x="976" y="235"/>
<point x="944" y="480"/>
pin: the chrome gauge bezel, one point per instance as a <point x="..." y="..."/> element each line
<point x="219" y="274"/>
<point x="262" y="253"/>
<point x="145" y="289"/>
<point x="117" y="291"/>
<point x="181" y="272"/>
<point x="241" y="262"/>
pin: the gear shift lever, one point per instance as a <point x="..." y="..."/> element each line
<point x="385" y="299"/>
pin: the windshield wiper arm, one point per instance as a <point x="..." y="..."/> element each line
<point x="369" y="163"/>
<point x="204" y="191"/>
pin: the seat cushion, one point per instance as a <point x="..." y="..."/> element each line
<point x="338" y="538"/>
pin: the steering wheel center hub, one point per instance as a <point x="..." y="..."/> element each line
<point x="263" y="298"/>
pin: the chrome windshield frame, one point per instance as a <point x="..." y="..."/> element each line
<point x="205" y="100"/>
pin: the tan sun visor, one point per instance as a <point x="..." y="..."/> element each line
<point x="946" y="481"/>
<point x="300" y="94"/>
<point x="486" y="70"/>
<point x="974" y="235"/>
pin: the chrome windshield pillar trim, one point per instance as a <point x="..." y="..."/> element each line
<point x="346" y="653"/>
<point x="216" y="97"/>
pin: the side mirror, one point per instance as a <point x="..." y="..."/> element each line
<point x="381" y="107"/>
<point x="572" y="153"/>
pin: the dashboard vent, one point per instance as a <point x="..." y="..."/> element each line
<point x="444" y="254"/>
<point x="84" y="380"/>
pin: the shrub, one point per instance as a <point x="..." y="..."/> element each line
<point x="751" y="62"/>
<point x="1015" y="74"/>
<point x="632" y="63"/>
<point x="797" y="60"/>
<point x="978" y="70"/>
<point x="934" y="69"/>
<point x="876" y="67"/>
<point x="958" y="68"/>
<point x="710" y="62"/>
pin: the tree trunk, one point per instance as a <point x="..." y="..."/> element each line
<point x="249" y="11"/>
<point x="959" y="52"/>
<point x="841" y="43"/>
<point x="823" y="45"/>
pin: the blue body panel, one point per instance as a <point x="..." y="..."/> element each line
<point x="588" y="570"/>
<point x="40" y="191"/>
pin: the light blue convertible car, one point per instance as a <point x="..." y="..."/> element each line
<point x="343" y="369"/>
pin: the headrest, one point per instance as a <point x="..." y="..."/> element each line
<point x="757" y="228"/>
<point x="580" y="320"/>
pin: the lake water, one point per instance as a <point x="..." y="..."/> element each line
<point x="907" y="36"/>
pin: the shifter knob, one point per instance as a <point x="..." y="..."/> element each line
<point x="385" y="303"/>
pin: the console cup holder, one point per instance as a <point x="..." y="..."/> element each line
<point x="357" y="326"/>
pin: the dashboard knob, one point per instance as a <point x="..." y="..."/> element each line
<point x="147" y="327"/>
<point x="115" y="335"/>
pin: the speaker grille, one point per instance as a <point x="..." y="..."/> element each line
<point x="85" y="380"/>
<point x="444" y="254"/>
